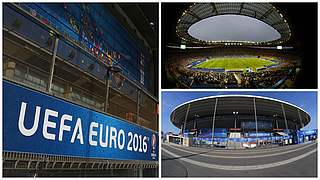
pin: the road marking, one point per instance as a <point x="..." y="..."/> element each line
<point x="260" y="151"/>
<point x="239" y="168"/>
<point x="241" y="157"/>
<point x="255" y="151"/>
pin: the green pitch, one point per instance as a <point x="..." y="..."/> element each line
<point x="235" y="63"/>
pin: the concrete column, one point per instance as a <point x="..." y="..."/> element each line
<point x="111" y="172"/>
<point x="9" y="69"/>
<point x="140" y="172"/>
<point x="213" y="120"/>
<point x="53" y="62"/>
<point x="68" y="91"/>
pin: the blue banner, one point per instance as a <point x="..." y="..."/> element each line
<point x="261" y="134"/>
<point x="38" y="123"/>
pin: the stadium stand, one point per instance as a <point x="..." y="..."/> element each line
<point x="181" y="67"/>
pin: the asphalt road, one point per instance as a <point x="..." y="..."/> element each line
<point x="288" y="161"/>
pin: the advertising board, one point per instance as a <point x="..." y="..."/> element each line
<point x="38" y="123"/>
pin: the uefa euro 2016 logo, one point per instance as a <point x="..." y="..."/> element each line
<point x="153" y="144"/>
<point x="154" y="141"/>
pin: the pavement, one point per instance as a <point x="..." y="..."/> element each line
<point x="287" y="161"/>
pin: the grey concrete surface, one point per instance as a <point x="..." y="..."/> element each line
<point x="289" y="161"/>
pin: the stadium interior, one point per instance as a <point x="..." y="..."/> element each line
<point x="293" y="57"/>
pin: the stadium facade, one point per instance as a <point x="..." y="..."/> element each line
<point x="80" y="90"/>
<point x="241" y="121"/>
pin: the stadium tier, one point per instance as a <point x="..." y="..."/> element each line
<point x="80" y="93"/>
<point x="232" y="68"/>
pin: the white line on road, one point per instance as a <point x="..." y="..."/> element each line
<point x="239" y="168"/>
<point x="239" y="157"/>
<point x="251" y="151"/>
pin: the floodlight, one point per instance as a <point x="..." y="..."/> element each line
<point x="183" y="46"/>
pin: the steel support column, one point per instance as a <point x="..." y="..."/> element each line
<point x="138" y="105"/>
<point x="213" y="120"/>
<point x="106" y="103"/>
<point x="185" y="119"/>
<point x="285" y="118"/>
<point x="53" y="62"/>
<point x="255" y="117"/>
<point x="300" y="119"/>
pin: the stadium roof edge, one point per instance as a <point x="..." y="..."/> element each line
<point x="262" y="12"/>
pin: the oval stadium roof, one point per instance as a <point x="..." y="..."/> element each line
<point x="203" y="108"/>
<point x="197" y="22"/>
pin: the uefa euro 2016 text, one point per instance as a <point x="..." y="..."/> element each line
<point x="99" y="134"/>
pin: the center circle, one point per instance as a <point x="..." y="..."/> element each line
<point x="233" y="28"/>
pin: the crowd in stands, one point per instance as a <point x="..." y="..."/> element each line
<point x="265" y="79"/>
<point x="261" y="79"/>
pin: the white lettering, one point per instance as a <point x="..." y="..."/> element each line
<point x="121" y="133"/>
<point x="92" y="133"/>
<point x="129" y="147"/>
<point x="64" y="127"/>
<point x="105" y="143"/>
<point x="48" y="124"/>
<point x="135" y="142"/>
<point x="113" y="137"/>
<point x="24" y="130"/>
<point x="77" y="128"/>
<point x="109" y="137"/>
